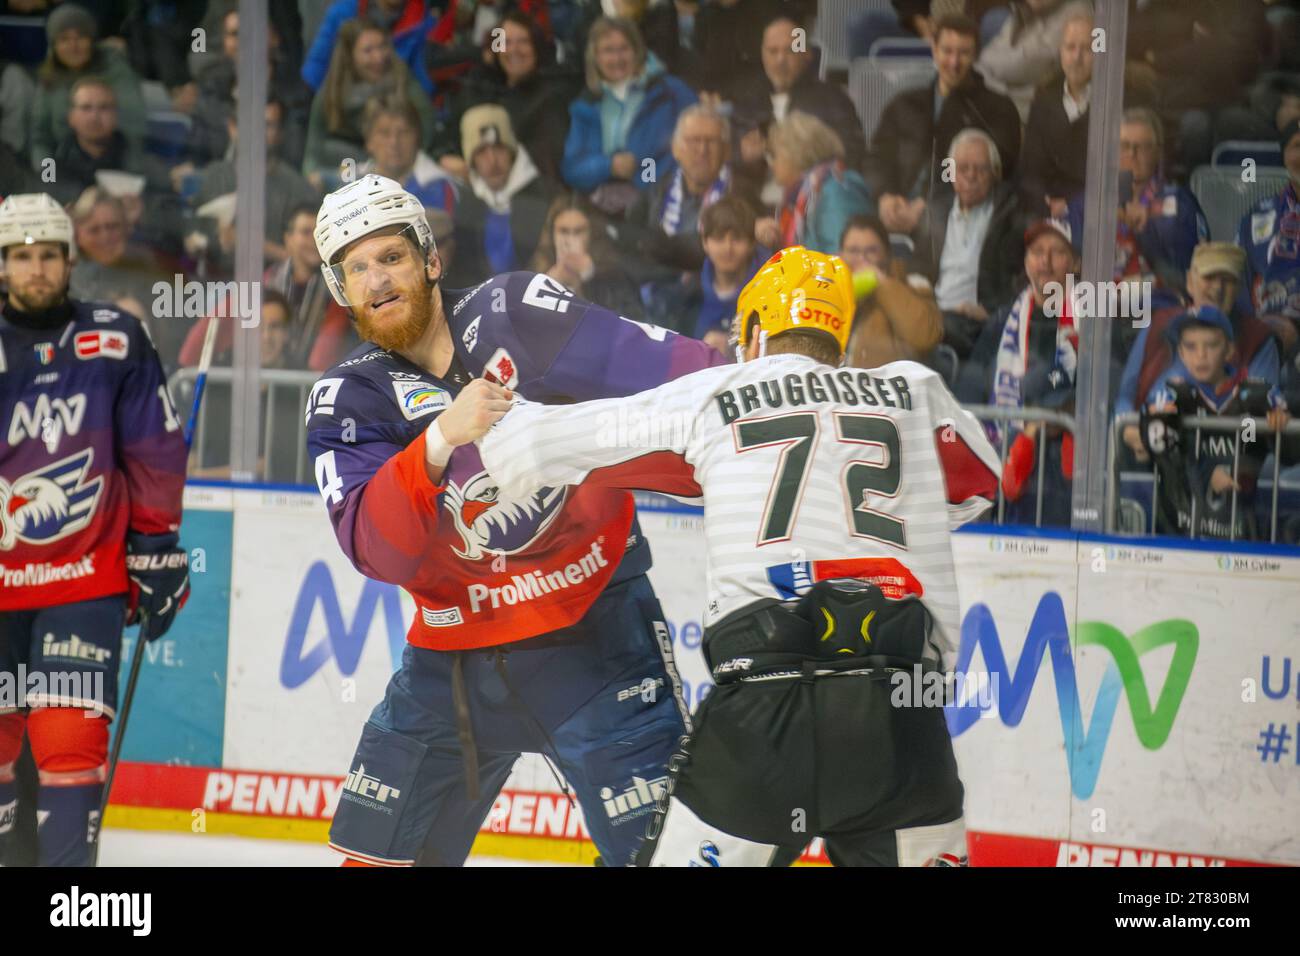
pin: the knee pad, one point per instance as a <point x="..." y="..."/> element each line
<point x="11" y="744"/>
<point x="70" y="745"/>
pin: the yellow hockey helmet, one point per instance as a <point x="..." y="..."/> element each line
<point x="798" y="289"/>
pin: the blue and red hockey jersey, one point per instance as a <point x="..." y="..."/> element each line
<point x="92" y="451"/>
<point x="483" y="570"/>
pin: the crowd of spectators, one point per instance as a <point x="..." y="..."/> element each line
<point x="650" y="154"/>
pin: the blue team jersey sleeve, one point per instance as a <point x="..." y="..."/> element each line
<point x="531" y="333"/>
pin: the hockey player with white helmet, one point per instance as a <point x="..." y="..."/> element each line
<point x="533" y="615"/>
<point x="828" y="496"/>
<point x="92" y="469"/>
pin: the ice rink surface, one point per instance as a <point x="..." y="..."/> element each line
<point x="158" y="848"/>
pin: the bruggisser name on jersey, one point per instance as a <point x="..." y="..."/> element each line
<point x="843" y="386"/>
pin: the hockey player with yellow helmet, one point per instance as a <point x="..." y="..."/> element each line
<point x="829" y="494"/>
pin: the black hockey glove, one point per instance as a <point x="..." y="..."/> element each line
<point x="160" y="582"/>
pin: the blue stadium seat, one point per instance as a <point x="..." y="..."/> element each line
<point x="166" y="135"/>
<point x="834" y="18"/>
<point x="893" y="47"/>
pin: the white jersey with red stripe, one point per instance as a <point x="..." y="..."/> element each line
<point x="805" y="472"/>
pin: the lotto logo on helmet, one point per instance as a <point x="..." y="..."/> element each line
<point x="819" y="314"/>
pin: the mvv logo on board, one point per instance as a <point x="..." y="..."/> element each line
<point x="77" y="909"/>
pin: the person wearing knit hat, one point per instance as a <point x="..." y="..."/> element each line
<point x="74" y="54"/>
<point x="1268" y="234"/>
<point x="501" y="215"/>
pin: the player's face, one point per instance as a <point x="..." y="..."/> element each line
<point x="37" y="275"/>
<point x="389" y="289"/>
<point x="1204" y="352"/>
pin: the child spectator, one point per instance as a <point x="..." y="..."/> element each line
<point x="731" y="259"/>
<point x="1202" y="490"/>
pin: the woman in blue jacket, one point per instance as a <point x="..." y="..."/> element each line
<point x="625" y="118"/>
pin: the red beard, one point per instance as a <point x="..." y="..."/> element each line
<point x="396" y="337"/>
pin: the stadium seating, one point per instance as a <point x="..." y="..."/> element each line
<point x="1231" y="153"/>
<point x="1225" y="198"/>
<point x="874" y="82"/>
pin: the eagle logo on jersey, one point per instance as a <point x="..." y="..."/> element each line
<point x="49" y="504"/>
<point x="490" y="525"/>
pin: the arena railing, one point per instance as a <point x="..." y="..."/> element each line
<point x="992" y="414"/>
<point x="1234" y="424"/>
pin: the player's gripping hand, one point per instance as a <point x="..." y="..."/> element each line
<point x="477" y="408"/>
<point x="159" y="572"/>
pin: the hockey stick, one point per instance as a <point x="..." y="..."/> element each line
<point x="201" y="381"/>
<point x="137" y="658"/>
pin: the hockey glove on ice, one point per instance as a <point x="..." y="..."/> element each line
<point x="160" y="582"/>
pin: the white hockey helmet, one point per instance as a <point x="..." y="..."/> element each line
<point x="356" y="210"/>
<point x="34" y="217"/>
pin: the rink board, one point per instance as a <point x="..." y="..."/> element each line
<point x="1136" y="705"/>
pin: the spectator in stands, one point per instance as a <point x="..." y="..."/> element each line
<point x="969" y="243"/>
<point x="731" y="259"/>
<point x="1025" y="52"/>
<point x="111" y="268"/>
<point x="820" y="192"/>
<point x="728" y="41"/>
<point x="278" y="427"/>
<point x="298" y="278"/>
<point x="392" y="132"/>
<point x="158" y="38"/>
<point x="500" y="218"/>
<point x="789" y="84"/>
<point x="1274" y="102"/>
<point x="664" y="221"/>
<point x="284" y="189"/>
<point x="16" y="95"/>
<point x="364" y="67"/>
<point x="574" y="250"/>
<point x="92" y="142"/>
<point x="1187" y="59"/>
<point x="74" y="55"/>
<point x="1213" y="280"/>
<point x="405" y="23"/>
<point x="655" y="21"/>
<point x="524" y="78"/>
<point x="620" y="129"/>
<point x="216" y="97"/>
<point x="1054" y="163"/>
<point x="1213" y="476"/>
<point x="16" y="174"/>
<point x="897" y="319"/>
<point x="1160" y="223"/>
<point x="1270" y="234"/>
<point x="1026" y="357"/>
<point x="916" y="127"/>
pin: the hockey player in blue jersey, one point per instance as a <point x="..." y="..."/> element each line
<point x="92" y="468"/>
<point x="535" y="629"/>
